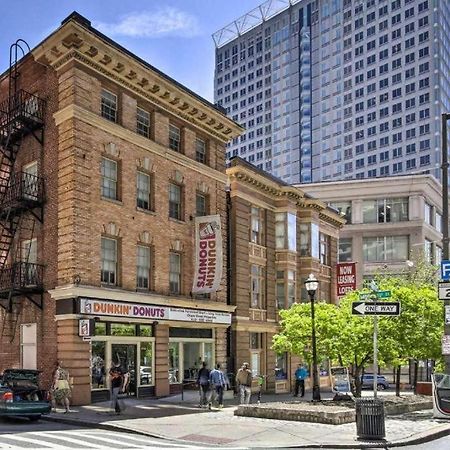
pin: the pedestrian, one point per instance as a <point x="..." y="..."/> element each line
<point x="118" y="381"/>
<point x="300" y="374"/>
<point x="203" y="385"/>
<point x="60" y="387"/>
<point x="218" y="383"/>
<point x="260" y="380"/>
<point x="244" y="382"/>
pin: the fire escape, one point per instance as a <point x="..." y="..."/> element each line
<point x="21" y="196"/>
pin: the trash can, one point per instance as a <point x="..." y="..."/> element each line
<point x="370" y="418"/>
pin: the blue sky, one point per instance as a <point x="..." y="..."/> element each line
<point x="172" y="35"/>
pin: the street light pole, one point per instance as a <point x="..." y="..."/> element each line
<point x="311" y="285"/>
<point x="445" y="232"/>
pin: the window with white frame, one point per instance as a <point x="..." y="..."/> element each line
<point x="428" y="251"/>
<point x="143" y="267"/>
<point x="109" y="179"/>
<point x="174" y="138"/>
<point x="257" y="225"/>
<point x="385" y="210"/>
<point x="257" y="286"/>
<point x="286" y="231"/>
<point x="109" y="259"/>
<point x="109" y="105"/>
<point x="428" y="209"/>
<point x="324" y="249"/>
<point x="200" y="151"/>
<point x="143" y="122"/>
<point x="386" y="248"/>
<point x="144" y="191"/>
<point x="175" y="273"/>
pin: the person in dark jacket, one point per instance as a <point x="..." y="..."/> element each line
<point x="203" y="384"/>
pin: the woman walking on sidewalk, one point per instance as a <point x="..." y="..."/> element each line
<point x="60" y="388"/>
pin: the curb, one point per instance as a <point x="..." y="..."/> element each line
<point x="421" y="439"/>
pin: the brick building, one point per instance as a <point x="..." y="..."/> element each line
<point x="108" y="162"/>
<point x="279" y="235"/>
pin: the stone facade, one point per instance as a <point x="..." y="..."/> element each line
<point x="279" y="236"/>
<point x="70" y="69"/>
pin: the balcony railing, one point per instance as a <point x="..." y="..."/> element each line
<point x="22" y="276"/>
<point x="24" y="188"/>
<point x="22" y="110"/>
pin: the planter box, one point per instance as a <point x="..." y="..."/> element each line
<point x="424" y="388"/>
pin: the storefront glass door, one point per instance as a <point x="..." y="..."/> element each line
<point x="126" y="354"/>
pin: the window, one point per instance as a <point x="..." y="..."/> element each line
<point x="143" y="122"/>
<point x="344" y="209"/>
<point x="385" y="248"/>
<point x="324" y="249"/>
<point x="109" y="179"/>
<point x="345" y="249"/>
<point x="438" y="222"/>
<point x="109" y="105"/>
<point x="143" y="268"/>
<point x="257" y="225"/>
<point x="109" y="261"/>
<point x="144" y="191"/>
<point x="174" y="138"/>
<point x="201" y="204"/>
<point x="174" y="273"/>
<point x="385" y="210"/>
<point x="286" y="231"/>
<point x="257" y="286"/>
<point x="427" y="213"/>
<point x="200" y="151"/>
<point x="175" y="202"/>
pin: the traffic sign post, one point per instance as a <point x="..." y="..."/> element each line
<point x="444" y="290"/>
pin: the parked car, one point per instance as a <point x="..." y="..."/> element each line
<point x="367" y="382"/>
<point x="20" y="394"/>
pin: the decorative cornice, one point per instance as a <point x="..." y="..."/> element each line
<point x="76" y="112"/>
<point x="74" y="42"/>
<point x="277" y="191"/>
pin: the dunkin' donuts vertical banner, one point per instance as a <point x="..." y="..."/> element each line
<point x="208" y="255"/>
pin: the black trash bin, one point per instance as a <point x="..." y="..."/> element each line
<point x="370" y="418"/>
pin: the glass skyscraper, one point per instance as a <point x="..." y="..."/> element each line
<point x="337" y="89"/>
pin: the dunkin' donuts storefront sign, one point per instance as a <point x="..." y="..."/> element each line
<point x="99" y="307"/>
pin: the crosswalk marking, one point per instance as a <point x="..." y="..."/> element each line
<point x="84" y="439"/>
<point x="14" y="437"/>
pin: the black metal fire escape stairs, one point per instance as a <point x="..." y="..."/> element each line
<point x="21" y="197"/>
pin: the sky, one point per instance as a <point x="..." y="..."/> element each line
<point x="172" y="35"/>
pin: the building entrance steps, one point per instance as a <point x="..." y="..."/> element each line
<point x="176" y="420"/>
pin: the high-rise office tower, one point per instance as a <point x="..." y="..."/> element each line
<point x="337" y="89"/>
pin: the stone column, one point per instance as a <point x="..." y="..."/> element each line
<point x="162" y="386"/>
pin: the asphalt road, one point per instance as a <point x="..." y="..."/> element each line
<point x="18" y="434"/>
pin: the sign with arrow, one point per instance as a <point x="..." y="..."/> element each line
<point x="376" y="309"/>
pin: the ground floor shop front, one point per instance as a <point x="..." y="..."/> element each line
<point x="161" y="347"/>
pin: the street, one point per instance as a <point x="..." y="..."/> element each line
<point x="15" y="433"/>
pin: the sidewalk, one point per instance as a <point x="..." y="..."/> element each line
<point x="177" y="420"/>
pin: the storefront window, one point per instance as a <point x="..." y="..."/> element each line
<point x="100" y="329"/>
<point x="146" y="363"/>
<point x="145" y="330"/>
<point x="208" y="354"/>
<point x="174" y="362"/>
<point x="192" y="360"/>
<point x="281" y="367"/>
<point x="98" y="370"/>
<point x="122" y="329"/>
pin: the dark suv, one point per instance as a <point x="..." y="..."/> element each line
<point x="367" y="382"/>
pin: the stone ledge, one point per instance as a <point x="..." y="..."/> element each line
<point x="329" y="412"/>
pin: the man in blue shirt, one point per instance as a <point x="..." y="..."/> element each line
<point x="300" y="374"/>
<point x="218" y="382"/>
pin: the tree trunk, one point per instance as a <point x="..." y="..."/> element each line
<point x="397" y="380"/>
<point x="357" y="376"/>
<point x="416" y="374"/>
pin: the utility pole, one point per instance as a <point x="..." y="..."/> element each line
<point x="445" y="226"/>
<point x="374" y="288"/>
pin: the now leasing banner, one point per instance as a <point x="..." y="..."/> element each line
<point x="208" y="255"/>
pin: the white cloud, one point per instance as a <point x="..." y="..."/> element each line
<point x="167" y="21"/>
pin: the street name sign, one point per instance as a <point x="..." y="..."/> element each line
<point x="364" y="296"/>
<point x="383" y="294"/>
<point x="444" y="291"/>
<point x="376" y="308"/>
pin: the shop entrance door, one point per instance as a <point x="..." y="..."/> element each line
<point x="126" y="353"/>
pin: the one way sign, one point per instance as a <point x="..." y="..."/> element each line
<point x="378" y="309"/>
